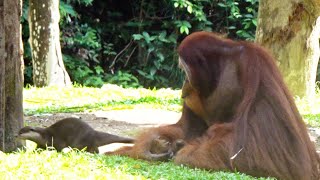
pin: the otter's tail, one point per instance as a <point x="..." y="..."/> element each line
<point x="103" y="138"/>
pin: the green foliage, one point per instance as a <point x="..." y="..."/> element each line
<point x="184" y="26"/>
<point x="134" y="43"/>
<point x="241" y="17"/>
<point x="157" y="62"/>
<point x="81" y="73"/>
<point x="66" y="11"/>
<point x="124" y="79"/>
<point x="194" y="8"/>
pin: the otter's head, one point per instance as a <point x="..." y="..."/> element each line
<point x="34" y="134"/>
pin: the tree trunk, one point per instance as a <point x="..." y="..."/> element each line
<point x="291" y="30"/>
<point x="11" y="81"/>
<point x="48" y="67"/>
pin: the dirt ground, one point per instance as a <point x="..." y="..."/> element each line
<point x="126" y="122"/>
<point x="121" y="122"/>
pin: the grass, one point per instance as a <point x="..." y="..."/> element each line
<point x="33" y="164"/>
<point x="310" y="110"/>
<point x="109" y="97"/>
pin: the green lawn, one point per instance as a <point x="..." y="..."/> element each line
<point x="32" y="164"/>
<point x="108" y="97"/>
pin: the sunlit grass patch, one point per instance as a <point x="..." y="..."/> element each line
<point x="108" y="97"/>
<point x="54" y="165"/>
<point x="310" y="110"/>
<point x="75" y="164"/>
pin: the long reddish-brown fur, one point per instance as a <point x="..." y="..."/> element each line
<point x="237" y="115"/>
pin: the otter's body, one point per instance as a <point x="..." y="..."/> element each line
<point x="70" y="132"/>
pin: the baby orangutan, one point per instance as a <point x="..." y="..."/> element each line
<point x="161" y="145"/>
<point x="159" y="148"/>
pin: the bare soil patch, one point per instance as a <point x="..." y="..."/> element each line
<point x="120" y="122"/>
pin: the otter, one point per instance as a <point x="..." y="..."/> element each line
<point x="70" y="132"/>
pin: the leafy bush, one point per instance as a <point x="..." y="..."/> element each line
<point x="157" y="61"/>
<point x="133" y="43"/>
<point x="123" y="79"/>
<point x="241" y="17"/>
<point x="81" y="73"/>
